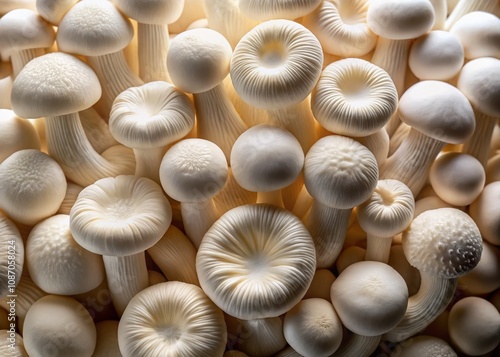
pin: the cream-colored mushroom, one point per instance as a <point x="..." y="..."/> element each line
<point x="16" y="134"/>
<point x="12" y="256"/>
<point x="486" y="213"/>
<point x="280" y="9"/>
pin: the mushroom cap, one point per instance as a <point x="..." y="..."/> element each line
<point x="438" y="110"/>
<point x="33" y="186"/>
<point x="10" y="241"/>
<point x="118" y="216"/>
<point x="389" y="210"/>
<point x="172" y="319"/>
<point x="370" y="298"/>
<point x="54" y="10"/>
<point x="193" y="170"/>
<point x="54" y="84"/>
<point x="443" y="242"/>
<point x="153" y="12"/>
<point x="485" y="277"/>
<point x="400" y="19"/>
<point x="263" y="10"/>
<point x="339" y="172"/>
<point x="198" y="59"/>
<point x="418" y="346"/>
<point x="437" y="55"/>
<point x="479" y="80"/>
<point x="266" y="158"/>
<point x="49" y="248"/>
<point x="16" y="134"/>
<point x="256" y="261"/>
<point x="23" y="29"/>
<point x="485" y="211"/>
<point x="276" y="64"/>
<point x="151" y="116"/>
<point x="354" y="97"/>
<point x="94" y="28"/>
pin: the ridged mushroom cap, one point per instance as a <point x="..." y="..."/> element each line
<point x="120" y="216"/>
<point x="444" y="242"/>
<point x="10" y="242"/>
<point x="339" y="172"/>
<point x="150" y="116"/>
<point x="263" y="10"/>
<point x="54" y="84"/>
<point x="354" y="97"/>
<point x="256" y="261"/>
<point x="276" y="64"/>
<point x="154" y="12"/>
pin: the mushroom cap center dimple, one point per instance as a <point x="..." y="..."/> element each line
<point x="170" y="334"/>
<point x="257" y="265"/>
<point x="120" y="209"/>
<point x="273" y="55"/>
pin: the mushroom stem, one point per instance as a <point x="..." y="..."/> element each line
<point x="478" y="145"/>
<point x="412" y="161"/>
<point x="432" y="298"/>
<point x="359" y="346"/>
<point x="378" y="248"/>
<point x="198" y="217"/>
<point x="153" y="47"/>
<point x="126" y="276"/>
<point x="148" y="163"/>
<point x="464" y="7"/>
<point x="20" y="58"/>
<point x="302" y="203"/>
<point x="271" y="198"/>
<point x="68" y="145"/>
<point x="328" y="228"/>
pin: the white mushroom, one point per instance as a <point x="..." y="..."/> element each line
<point x="54" y="10"/>
<point x="16" y="134"/>
<point x="279" y="9"/>
<point x="423" y="346"/>
<point x="486" y="212"/>
<point x="12" y="256"/>
<point x="485" y="277"/>
<point x="463" y="7"/>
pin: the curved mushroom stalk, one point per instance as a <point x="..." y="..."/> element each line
<point x="198" y="217"/>
<point x="359" y="346"/>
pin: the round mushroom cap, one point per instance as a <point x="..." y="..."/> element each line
<point x="33" y="186"/>
<point x="479" y="80"/>
<point x="389" y="210"/>
<point x="457" y="178"/>
<point x="94" y="28"/>
<point x="443" y="242"/>
<point x="263" y="10"/>
<point x="23" y="29"/>
<point x="354" y="97"/>
<point x="54" y="10"/>
<point x="172" y="319"/>
<point x="151" y="116"/>
<point x="54" y="84"/>
<point x="16" y="134"/>
<point x="485" y="211"/>
<point x="485" y="277"/>
<point x="276" y="64"/>
<point x="11" y="243"/>
<point x="49" y="248"/>
<point x="266" y="158"/>
<point x="437" y="55"/>
<point x="423" y="345"/>
<point x="438" y="110"/>
<point x="256" y="261"/>
<point x="119" y="216"/>
<point x="400" y="19"/>
<point x="198" y="59"/>
<point x="193" y="170"/>
<point x="370" y="298"/>
<point x="153" y="12"/>
<point x="339" y="172"/>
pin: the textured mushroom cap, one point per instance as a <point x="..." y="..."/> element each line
<point x="10" y="242"/>
<point x="198" y="59"/>
<point x="479" y="80"/>
<point x="485" y="211"/>
<point x="172" y="319"/>
<point x="16" y="134"/>
<point x="23" y="29"/>
<point x="54" y="10"/>
<point x="400" y="19"/>
<point x="313" y="328"/>
<point x="437" y="55"/>
<point x="266" y="158"/>
<point x="354" y="97"/>
<point x="485" y="277"/>
<point x="120" y="216"/>
<point x="339" y="172"/>
<point x="59" y="323"/>
<point x="94" y="28"/>
<point x="54" y="84"/>
<point x="439" y="110"/>
<point x="422" y="345"/>
<point x="389" y="210"/>
<point x="276" y="64"/>
<point x="370" y="298"/>
<point x="193" y="170"/>
<point x="49" y="248"/>
<point x="150" y="116"/>
<point x="277" y="9"/>
<point x="154" y="12"/>
<point x="479" y="33"/>
<point x="457" y="178"/>
<point x="33" y="186"/>
<point x="444" y="242"/>
<point x="256" y="261"/>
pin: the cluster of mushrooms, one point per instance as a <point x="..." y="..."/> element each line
<point x="205" y="178"/>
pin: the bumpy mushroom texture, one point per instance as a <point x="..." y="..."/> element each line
<point x="11" y="344"/>
<point x="485" y="277"/>
<point x="12" y="250"/>
<point x="280" y="9"/>
<point x="486" y="212"/>
<point x="424" y="346"/>
<point x="16" y="134"/>
<point x="172" y="319"/>
<point x="256" y="261"/>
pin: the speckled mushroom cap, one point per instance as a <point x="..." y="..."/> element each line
<point x="54" y="84"/>
<point x="119" y="216"/>
<point x="423" y="345"/>
<point x="339" y="172"/>
<point x="154" y="12"/>
<point x="439" y="110"/>
<point x="443" y="242"/>
<point x="256" y="261"/>
<point x="277" y="9"/>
